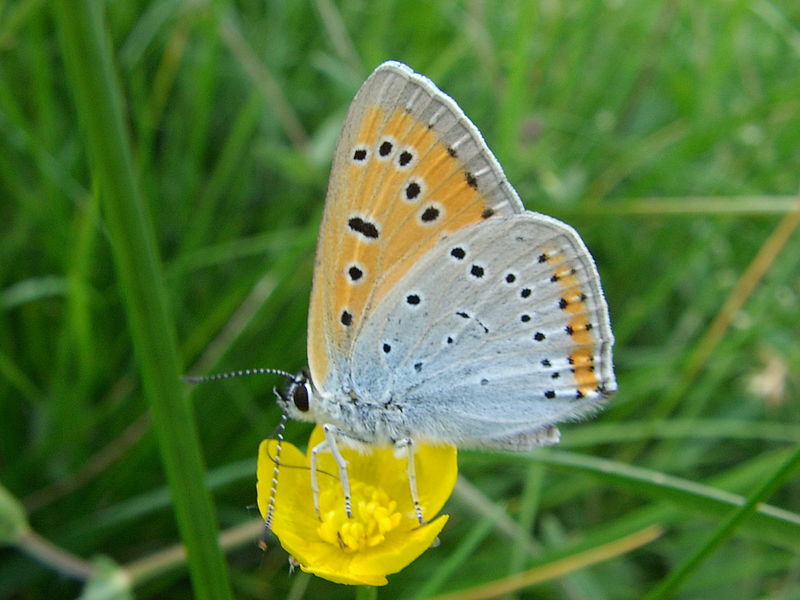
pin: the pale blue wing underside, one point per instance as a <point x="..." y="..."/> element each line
<point x="472" y="343"/>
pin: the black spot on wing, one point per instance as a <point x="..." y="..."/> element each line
<point x="355" y="273"/>
<point x="365" y="228"/>
<point x="385" y="149"/>
<point x="430" y="214"/>
<point x="476" y="271"/>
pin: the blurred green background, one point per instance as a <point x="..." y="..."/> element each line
<point x="667" y="133"/>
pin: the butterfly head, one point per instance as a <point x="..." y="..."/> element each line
<point x="295" y="398"/>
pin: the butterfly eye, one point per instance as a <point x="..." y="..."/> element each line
<point x="300" y="397"/>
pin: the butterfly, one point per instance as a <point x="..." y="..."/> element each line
<point x="441" y="310"/>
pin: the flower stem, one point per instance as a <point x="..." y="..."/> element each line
<point x="366" y="592"/>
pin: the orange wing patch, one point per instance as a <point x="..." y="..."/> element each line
<point x="573" y="301"/>
<point x="583" y="369"/>
<point x="412" y="191"/>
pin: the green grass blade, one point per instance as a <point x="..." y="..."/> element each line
<point x="691" y="495"/>
<point x="727" y="528"/>
<point x="99" y="103"/>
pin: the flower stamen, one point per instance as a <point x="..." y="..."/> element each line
<point x="374" y="517"/>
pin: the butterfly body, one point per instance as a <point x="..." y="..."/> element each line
<point x="442" y="311"/>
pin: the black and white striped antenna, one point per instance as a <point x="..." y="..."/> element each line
<point x="231" y="374"/>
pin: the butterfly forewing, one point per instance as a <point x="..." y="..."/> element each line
<point x="409" y="170"/>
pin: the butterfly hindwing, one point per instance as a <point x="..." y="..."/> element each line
<point x="493" y="345"/>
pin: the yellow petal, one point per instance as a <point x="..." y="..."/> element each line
<point x="347" y="578"/>
<point x="371" y="566"/>
<point x="391" y="557"/>
<point x="265" y="468"/>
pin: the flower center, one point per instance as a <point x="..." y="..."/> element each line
<point x="374" y="515"/>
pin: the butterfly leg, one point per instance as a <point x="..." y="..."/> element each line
<point x="408" y="444"/>
<point x="330" y="445"/>
<point x="273" y="490"/>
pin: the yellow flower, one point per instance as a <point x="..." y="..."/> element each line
<point x="383" y="535"/>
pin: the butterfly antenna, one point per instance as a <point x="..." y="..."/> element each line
<point x="231" y="374"/>
<point x="273" y="491"/>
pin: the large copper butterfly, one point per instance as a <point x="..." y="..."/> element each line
<point x="442" y="311"/>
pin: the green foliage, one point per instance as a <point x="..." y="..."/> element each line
<point x="667" y="133"/>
